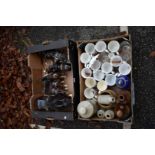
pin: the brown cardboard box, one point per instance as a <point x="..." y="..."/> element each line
<point x="82" y="82"/>
<point x="37" y="71"/>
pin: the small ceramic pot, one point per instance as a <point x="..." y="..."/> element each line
<point x="109" y="114"/>
<point x="100" y="113"/>
<point x="86" y="72"/>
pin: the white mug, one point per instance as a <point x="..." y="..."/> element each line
<point x="102" y="85"/>
<point x="124" y="69"/>
<point x="106" y="67"/>
<point x="110" y="79"/>
<point x="104" y="57"/>
<point x="90" y="82"/>
<point x="113" y="46"/>
<point x="116" y="60"/>
<point x="85" y="58"/>
<point x="86" y="72"/>
<point x="89" y="93"/>
<point x="96" y="65"/>
<point x="90" y="48"/>
<point x="98" y="75"/>
<point x="100" y="46"/>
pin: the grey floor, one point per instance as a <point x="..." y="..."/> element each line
<point x="143" y="39"/>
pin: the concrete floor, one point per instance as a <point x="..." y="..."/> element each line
<point x="143" y="39"/>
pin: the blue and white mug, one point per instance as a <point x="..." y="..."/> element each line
<point x="123" y="82"/>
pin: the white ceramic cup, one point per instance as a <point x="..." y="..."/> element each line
<point x="86" y="72"/>
<point x="106" y="67"/>
<point x="116" y="60"/>
<point x="96" y="65"/>
<point x="113" y="46"/>
<point x="102" y="85"/>
<point x="109" y="114"/>
<point x="98" y="75"/>
<point x="85" y="58"/>
<point x="110" y="55"/>
<point x="110" y="79"/>
<point x="124" y="69"/>
<point x="100" y="113"/>
<point x="100" y="46"/>
<point x="104" y="57"/>
<point x="90" y="48"/>
<point x="90" y="82"/>
<point x="89" y="93"/>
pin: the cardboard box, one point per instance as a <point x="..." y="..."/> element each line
<point x="36" y="64"/>
<point x="82" y="80"/>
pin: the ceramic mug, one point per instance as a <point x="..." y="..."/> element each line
<point x="124" y="69"/>
<point x="85" y="58"/>
<point x="102" y="85"/>
<point x="95" y="65"/>
<point x="90" y="48"/>
<point x="123" y="82"/>
<point x="90" y="82"/>
<point x="100" y="46"/>
<point x="113" y="46"/>
<point x="116" y="60"/>
<point x="98" y="75"/>
<point x="89" y="93"/>
<point x="104" y="57"/>
<point x="106" y="67"/>
<point x="110" y="79"/>
<point x="86" y="72"/>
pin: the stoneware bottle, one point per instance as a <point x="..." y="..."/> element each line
<point x="122" y="111"/>
<point x="87" y="108"/>
<point x="106" y="99"/>
<point x="100" y="113"/>
<point x="109" y="114"/>
<point x="124" y="97"/>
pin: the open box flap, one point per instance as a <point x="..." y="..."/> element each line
<point x="48" y="46"/>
